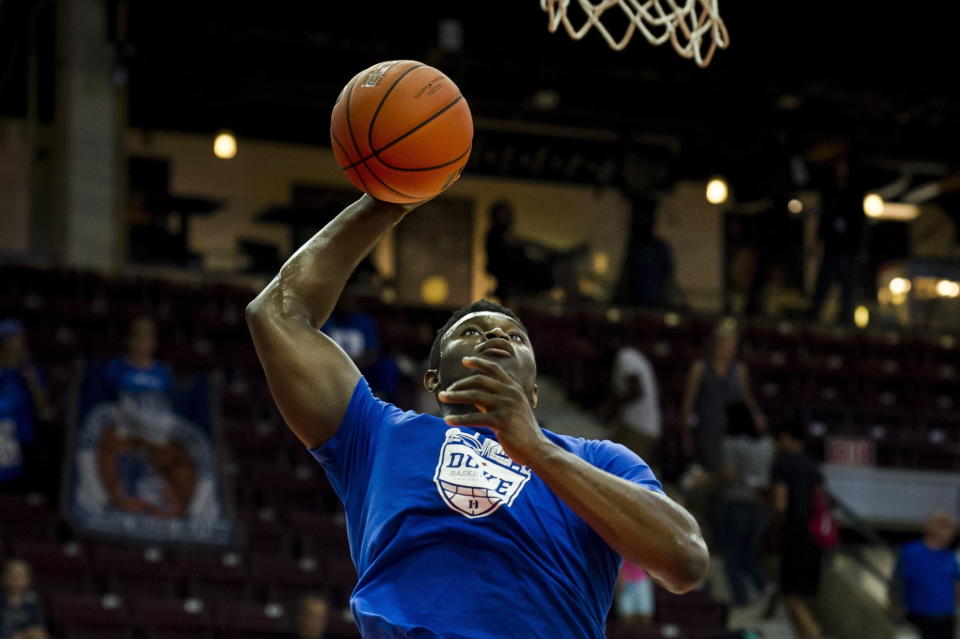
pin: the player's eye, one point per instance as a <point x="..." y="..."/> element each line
<point x="471" y="331"/>
<point x="517" y="337"/>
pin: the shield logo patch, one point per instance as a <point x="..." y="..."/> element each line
<point x="474" y="476"/>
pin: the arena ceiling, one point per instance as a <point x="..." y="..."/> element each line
<point x="795" y="73"/>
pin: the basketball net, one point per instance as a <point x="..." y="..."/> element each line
<point x="691" y="26"/>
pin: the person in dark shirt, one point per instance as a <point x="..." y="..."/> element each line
<point x="20" y="614"/>
<point x="926" y="578"/>
<point x="793" y="477"/>
<point x="510" y="260"/>
<point x="648" y="268"/>
<point x="841" y="230"/>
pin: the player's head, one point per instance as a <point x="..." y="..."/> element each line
<point x="312" y="615"/>
<point x="142" y="337"/>
<point x="941" y="529"/>
<point x="16" y="576"/>
<point x="484" y="329"/>
<point x="724" y="340"/>
<point x="791" y="434"/>
<point x="12" y="342"/>
<point x="501" y="215"/>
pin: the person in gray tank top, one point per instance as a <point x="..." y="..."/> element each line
<point x="714" y="382"/>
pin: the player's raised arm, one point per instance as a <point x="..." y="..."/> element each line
<point x="310" y="377"/>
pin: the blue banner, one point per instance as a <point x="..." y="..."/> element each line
<point x="143" y="464"/>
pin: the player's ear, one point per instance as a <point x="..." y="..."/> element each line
<point x="431" y="380"/>
<point x="534" y="396"/>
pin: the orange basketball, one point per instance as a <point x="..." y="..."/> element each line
<point x="401" y="131"/>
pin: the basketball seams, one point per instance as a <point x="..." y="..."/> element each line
<point x="380" y="176"/>
<point x="427" y="168"/>
<point x="353" y="137"/>
<point x="383" y="99"/>
<point x="412" y="198"/>
<point x="376" y="152"/>
<point x="347" y="153"/>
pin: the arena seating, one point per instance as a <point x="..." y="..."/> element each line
<point x="897" y="389"/>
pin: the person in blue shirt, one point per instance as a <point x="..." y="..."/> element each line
<point x="23" y="400"/>
<point x="925" y="580"/>
<point x="142" y="469"/>
<point x="478" y="523"/>
<point x="137" y="371"/>
<point x="356" y="332"/>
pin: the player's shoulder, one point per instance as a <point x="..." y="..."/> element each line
<point x="365" y="400"/>
<point x="589" y="449"/>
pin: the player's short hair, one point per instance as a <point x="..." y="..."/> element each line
<point x="477" y="307"/>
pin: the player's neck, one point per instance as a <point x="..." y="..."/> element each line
<point x="457" y="409"/>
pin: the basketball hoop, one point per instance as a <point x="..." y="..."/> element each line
<point x="691" y="26"/>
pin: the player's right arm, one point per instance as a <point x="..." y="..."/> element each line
<point x="310" y="377"/>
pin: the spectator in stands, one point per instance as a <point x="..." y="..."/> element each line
<point x="713" y="383"/>
<point x="143" y="469"/>
<point x="21" y="616"/>
<point x="313" y="613"/>
<point x="23" y="400"/>
<point x="743" y="516"/>
<point x="356" y="332"/>
<point x="841" y="232"/>
<point x="793" y="478"/>
<point x="648" y="268"/>
<point x="524" y="267"/>
<point x="137" y="371"/>
<point x="636" y="408"/>
<point x="635" y="602"/>
<point x="925" y="580"/>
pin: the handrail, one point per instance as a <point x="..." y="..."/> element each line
<point x="868" y="533"/>
<point x="858" y="524"/>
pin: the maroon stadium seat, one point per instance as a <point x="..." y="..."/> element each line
<point x="140" y="571"/>
<point x="89" y="616"/>
<point x="264" y="534"/>
<point x="319" y="534"/>
<point x="237" y="620"/>
<point x="27" y="517"/>
<point x="57" y="568"/>
<point x="286" y="580"/>
<point x="168" y="618"/>
<point x="214" y="576"/>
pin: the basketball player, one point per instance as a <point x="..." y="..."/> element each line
<point x="480" y="524"/>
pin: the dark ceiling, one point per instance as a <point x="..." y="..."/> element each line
<point x="795" y="73"/>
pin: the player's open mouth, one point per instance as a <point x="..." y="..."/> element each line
<point x="496" y="347"/>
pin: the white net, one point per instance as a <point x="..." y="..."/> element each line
<point x="693" y="27"/>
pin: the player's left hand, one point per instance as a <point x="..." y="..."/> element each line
<point x="504" y="408"/>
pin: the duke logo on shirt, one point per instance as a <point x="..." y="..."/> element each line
<point x="474" y="476"/>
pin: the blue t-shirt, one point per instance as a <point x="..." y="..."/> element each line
<point x="14" y="388"/>
<point x="125" y="378"/>
<point x="928" y="577"/>
<point x="354" y="333"/>
<point x="453" y="539"/>
<point x="16" y="422"/>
